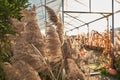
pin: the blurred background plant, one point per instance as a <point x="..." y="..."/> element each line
<point x="8" y="9"/>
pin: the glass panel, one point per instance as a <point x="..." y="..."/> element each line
<point x="54" y="4"/>
<point x="101" y="5"/>
<point x="76" y="5"/>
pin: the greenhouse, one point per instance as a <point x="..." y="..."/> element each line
<point x="59" y="40"/>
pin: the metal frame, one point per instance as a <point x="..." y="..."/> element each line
<point x="91" y="22"/>
<point x="89" y="12"/>
<point x="86" y="12"/>
<point x="113" y="21"/>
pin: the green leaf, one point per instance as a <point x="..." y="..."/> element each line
<point x="8" y="9"/>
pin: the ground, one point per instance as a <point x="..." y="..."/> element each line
<point x="92" y="59"/>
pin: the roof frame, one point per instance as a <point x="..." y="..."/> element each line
<point x="108" y="14"/>
<point x="90" y="22"/>
<point x="87" y="12"/>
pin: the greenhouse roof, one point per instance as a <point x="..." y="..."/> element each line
<point x="79" y="14"/>
<point x="41" y="13"/>
<point x="83" y="16"/>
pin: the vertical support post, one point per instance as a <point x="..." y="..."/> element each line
<point x="63" y="11"/>
<point x="108" y="27"/>
<point x="113" y="22"/>
<point x="45" y="12"/>
<point x="45" y="18"/>
<point x="112" y="55"/>
<point x="90" y="5"/>
<point x="88" y="34"/>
